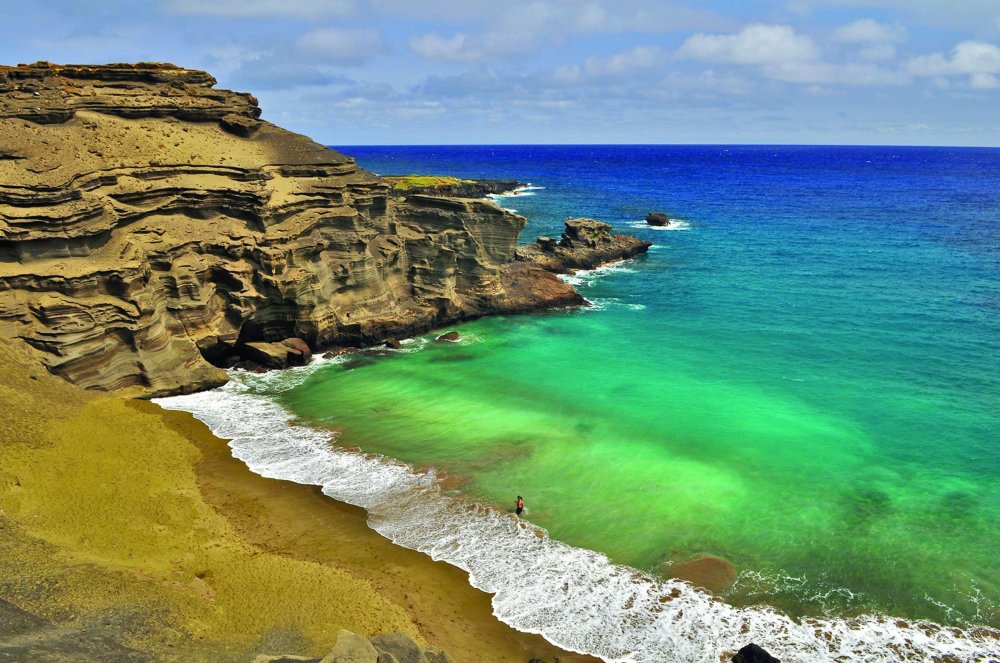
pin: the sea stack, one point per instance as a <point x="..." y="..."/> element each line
<point x="585" y="244"/>
<point x="657" y="219"/>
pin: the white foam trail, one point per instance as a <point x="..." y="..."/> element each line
<point x="576" y="598"/>
<point x="587" y="277"/>
<point x="526" y="190"/>
<point x="675" y="224"/>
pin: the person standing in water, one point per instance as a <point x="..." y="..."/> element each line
<point x="519" y="503"/>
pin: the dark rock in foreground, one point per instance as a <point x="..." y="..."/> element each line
<point x="585" y="244"/>
<point x="753" y="654"/>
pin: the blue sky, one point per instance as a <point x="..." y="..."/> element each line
<point x="346" y="72"/>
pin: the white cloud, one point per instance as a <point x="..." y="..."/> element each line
<point x="825" y="73"/>
<point x="624" y="63"/>
<point x="756" y="44"/>
<point x="338" y="46"/>
<point x="263" y="8"/>
<point x="433" y="46"/>
<point x="877" y="52"/>
<point x="867" y="31"/>
<point x="984" y="82"/>
<point x="620" y="66"/>
<point x="968" y="57"/>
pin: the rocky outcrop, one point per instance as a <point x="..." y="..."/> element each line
<point x="449" y="186"/>
<point x="153" y="227"/>
<point x="753" y="654"/>
<point x="585" y="244"/>
<point x="657" y="219"/>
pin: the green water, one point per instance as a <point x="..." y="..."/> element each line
<point x="806" y="383"/>
<point x="663" y="466"/>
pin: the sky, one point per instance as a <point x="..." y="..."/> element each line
<point x="387" y="72"/>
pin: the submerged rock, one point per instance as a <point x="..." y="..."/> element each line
<point x="449" y="337"/>
<point x="708" y="571"/>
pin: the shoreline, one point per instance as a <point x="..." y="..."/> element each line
<point x="544" y="586"/>
<point x="300" y="522"/>
<point x="131" y="531"/>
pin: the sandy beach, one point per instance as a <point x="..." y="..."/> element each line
<point x="119" y="515"/>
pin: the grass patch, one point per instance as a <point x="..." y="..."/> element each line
<point x="407" y="182"/>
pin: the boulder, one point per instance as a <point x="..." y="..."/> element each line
<point x="657" y="219"/>
<point x="753" y="654"/>
<point x="449" y="337"/>
<point x="268" y="355"/>
<point x="399" y="647"/>
<point x="239" y="125"/>
<point x="298" y="350"/>
<point x="393" y="344"/>
<point x="547" y="243"/>
<point x="351" y="648"/>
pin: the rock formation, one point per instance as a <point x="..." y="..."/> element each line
<point x="586" y="244"/>
<point x="408" y="185"/>
<point x="152" y="227"/>
<point x="753" y="653"/>
<point x="657" y="219"/>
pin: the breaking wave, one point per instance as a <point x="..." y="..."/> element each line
<point x="575" y="598"/>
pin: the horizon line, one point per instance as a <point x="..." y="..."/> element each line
<point x="768" y="145"/>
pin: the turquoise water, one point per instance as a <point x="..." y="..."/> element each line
<point x="802" y="380"/>
<point x="805" y="381"/>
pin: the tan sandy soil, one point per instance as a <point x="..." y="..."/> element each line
<point x="118" y="514"/>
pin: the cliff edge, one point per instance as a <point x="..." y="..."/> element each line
<point x="151" y="225"/>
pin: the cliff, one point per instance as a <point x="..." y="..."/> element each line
<point x="151" y="226"/>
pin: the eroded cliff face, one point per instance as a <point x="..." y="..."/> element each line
<point x="150" y="224"/>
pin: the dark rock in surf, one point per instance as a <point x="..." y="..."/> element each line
<point x="753" y="654"/>
<point x="657" y="219"/>
<point x="449" y="337"/>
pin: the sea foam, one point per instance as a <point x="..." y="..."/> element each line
<point x="575" y="598"/>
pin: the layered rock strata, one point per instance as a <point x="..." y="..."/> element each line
<point x="152" y="227"/>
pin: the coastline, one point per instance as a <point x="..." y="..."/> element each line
<point x="575" y="596"/>
<point x="136" y="524"/>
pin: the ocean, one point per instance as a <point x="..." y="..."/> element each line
<point x="802" y="377"/>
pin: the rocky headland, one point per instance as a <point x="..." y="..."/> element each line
<point x="152" y="226"/>
<point x="153" y="230"/>
<point x="405" y="185"/>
